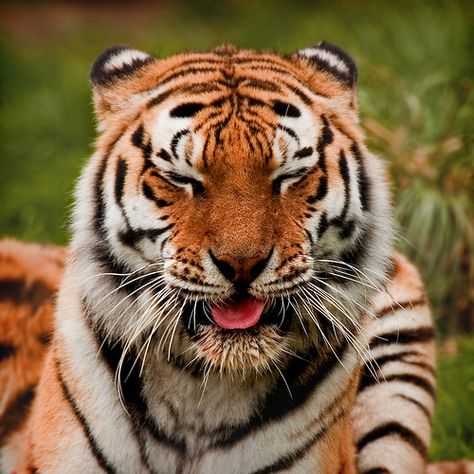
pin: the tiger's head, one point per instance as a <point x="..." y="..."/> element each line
<point x="231" y="205"/>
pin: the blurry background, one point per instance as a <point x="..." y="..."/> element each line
<point x="416" y="62"/>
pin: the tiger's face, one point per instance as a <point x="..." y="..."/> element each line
<point x="234" y="190"/>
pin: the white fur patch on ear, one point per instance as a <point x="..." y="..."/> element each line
<point x="330" y="58"/>
<point x="117" y="62"/>
<point x="327" y="56"/>
<point x="125" y="58"/>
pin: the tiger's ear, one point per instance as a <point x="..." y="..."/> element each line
<point x="115" y="77"/>
<point x="333" y="60"/>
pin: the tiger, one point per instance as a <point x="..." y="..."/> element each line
<point x="29" y="279"/>
<point x="231" y="300"/>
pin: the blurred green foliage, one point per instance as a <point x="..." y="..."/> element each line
<point x="453" y="432"/>
<point x="417" y="107"/>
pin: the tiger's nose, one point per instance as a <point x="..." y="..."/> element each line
<point x="241" y="271"/>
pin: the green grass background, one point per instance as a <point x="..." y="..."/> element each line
<point x="417" y="107"/>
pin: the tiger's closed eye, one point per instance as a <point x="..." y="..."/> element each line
<point x="180" y="180"/>
<point x="289" y="179"/>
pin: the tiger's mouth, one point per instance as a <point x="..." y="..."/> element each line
<point x="240" y="313"/>
<point x="242" y="335"/>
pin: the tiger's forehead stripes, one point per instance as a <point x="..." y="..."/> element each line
<point x="264" y="121"/>
<point x="226" y="71"/>
<point x="213" y="87"/>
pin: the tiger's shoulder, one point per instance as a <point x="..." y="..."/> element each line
<point x="30" y="275"/>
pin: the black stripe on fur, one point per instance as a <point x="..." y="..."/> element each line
<point x="131" y="237"/>
<point x="404" y="305"/>
<point x="150" y="194"/>
<point x="6" y="350"/>
<point x="367" y="377"/>
<point x="186" y="110"/>
<point x="416" y="380"/>
<point x="303" y="377"/>
<point x="138" y="140"/>
<point x="365" y="186"/>
<point x="404" y="336"/>
<point x="344" y="172"/>
<point x="354" y="255"/>
<point x="15" y="413"/>
<point x="120" y="175"/>
<point x="133" y="397"/>
<point x="418" y="404"/>
<point x="326" y="139"/>
<point x="18" y="291"/>
<point x="95" y="449"/>
<point x="390" y="429"/>
<point x="290" y="459"/>
<point x="285" y="109"/>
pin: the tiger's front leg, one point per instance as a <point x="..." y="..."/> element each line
<point x="396" y="395"/>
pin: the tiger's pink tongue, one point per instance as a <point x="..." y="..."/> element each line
<point x="240" y="315"/>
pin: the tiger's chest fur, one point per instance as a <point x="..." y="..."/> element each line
<point x="231" y="297"/>
<point x="175" y="424"/>
<point x="176" y="420"/>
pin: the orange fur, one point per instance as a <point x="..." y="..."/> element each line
<point x="29" y="278"/>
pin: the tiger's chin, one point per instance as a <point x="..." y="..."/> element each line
<point x="252" y="351"/>
<point x="239" y="351"/>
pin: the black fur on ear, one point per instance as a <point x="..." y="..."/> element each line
<point x="117" y="62"/>
<point x="330" y="58"/>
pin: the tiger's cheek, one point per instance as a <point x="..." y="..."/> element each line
<point x="155" y="190"/>
<point x="300" y="203"/>
<point x="190" y="217"/>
